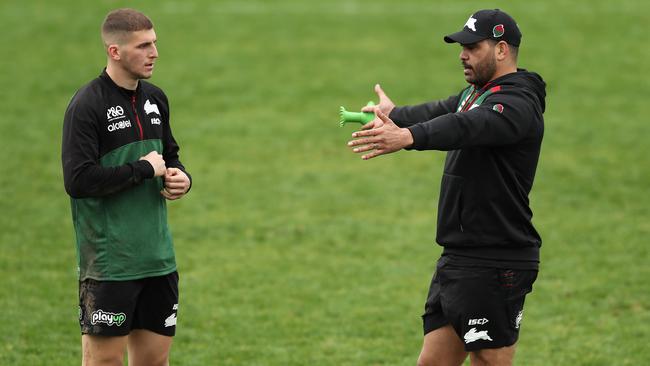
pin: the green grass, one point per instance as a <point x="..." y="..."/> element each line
<point x="293" y="251"/>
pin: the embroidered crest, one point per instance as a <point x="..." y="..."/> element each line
<point x="498" y="108"/>
<point x="498" y="30"/>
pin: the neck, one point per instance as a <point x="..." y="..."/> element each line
<point x="503" y="71"/>
<point x="121" y="78"/>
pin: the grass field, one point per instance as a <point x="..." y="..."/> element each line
<point x="293" y="251"/>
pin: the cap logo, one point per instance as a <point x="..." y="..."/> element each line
<point x="498" y="30"/>
<point x="471" y="24"/>
<point x="498" y="108"/>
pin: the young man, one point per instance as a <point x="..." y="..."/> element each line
<point x="493" y="132"/>
<point x="120" y="163"/>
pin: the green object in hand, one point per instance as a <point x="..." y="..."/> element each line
<point x="356" y="117"/>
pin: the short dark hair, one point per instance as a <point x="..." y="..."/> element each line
<point x="119" y="22"/>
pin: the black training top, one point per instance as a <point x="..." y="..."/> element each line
<point x="493" y="136"/>
<point x="118" y="212"/>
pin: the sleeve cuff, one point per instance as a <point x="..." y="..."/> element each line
<point x="419" y="137"/>
<point x="143" y="170"/>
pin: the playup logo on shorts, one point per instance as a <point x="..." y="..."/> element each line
<point x="473" y="335"/>
<point x="101" y="316"/>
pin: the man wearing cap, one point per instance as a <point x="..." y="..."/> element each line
<point x="492" y="132"/>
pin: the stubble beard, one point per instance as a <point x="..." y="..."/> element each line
<point x="483" y="72"/>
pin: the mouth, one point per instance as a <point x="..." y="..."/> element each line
<point x="149" y="66"/>
<point x="467" y="69"/>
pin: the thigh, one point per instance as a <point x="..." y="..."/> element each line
<point x="106" y="308"/>
<point x="157" y="305"/>
<point x="433" y="317"/>
<point x="485" y="305"/>
<point x="442" y="347"/>
<point x="148" y="348"/>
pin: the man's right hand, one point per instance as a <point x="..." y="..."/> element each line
<point x="157" y="162"/>
<point x="385" y="106"/>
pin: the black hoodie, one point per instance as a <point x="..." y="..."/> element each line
<point x="493" y="136"/>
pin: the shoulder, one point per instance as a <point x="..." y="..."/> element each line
<point x="524" y="87"/>
<point x="515" y="94"/>
<point x="151" y="89"/>
<point x="89" y="97"/>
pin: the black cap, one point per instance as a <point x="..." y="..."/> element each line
<point x="488" y="24"/>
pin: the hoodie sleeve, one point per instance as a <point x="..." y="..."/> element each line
<point x="170" y="147"/>
<point x="409" y="115"/>
<point x="506" y="117"/>
<point x="83" y="176"/>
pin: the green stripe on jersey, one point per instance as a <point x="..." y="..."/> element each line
<point x="124" y="236"/>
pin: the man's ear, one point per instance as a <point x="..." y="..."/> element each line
<point x="113" y="51"/>
<point x="501" y="50"/>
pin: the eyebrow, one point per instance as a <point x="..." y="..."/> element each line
<point x="147" y="43"/>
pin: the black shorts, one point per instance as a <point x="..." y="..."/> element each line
<point x="484" y="305"/>
<point x="114" y="308"/>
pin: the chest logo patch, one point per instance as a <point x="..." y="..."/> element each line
<point x="115" y="112"/>
<point x="151" y="108"/>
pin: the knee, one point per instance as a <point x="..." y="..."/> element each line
<point x="102" y="360"/>
<point x="493" y="357"/>
<point x="150" y="360"/>
<point x="425" y="360"/>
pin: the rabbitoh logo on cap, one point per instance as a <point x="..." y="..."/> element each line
<point x="471" y="24"/>
<point x="498" y="108"/>
<point x="498" y="30"/>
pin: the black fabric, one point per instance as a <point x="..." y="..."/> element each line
<point x="492" y="24"/>
<point x="409" y="115"/>
<point x="483" y="210"/>
<point x="90" y="132"/>
<point x="114" y="308"/>
<point x="484" y="305"/>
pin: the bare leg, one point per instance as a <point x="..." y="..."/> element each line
<point x="493" y="356"/>
<point x="102" y="350"/>
<point x="442" y="347"/>
<point x="148" y="348"/>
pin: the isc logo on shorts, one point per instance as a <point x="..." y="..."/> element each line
<point x="477" y="321"/>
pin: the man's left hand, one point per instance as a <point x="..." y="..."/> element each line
<point x="384" y="138"/>
<point x="176" y="184"/>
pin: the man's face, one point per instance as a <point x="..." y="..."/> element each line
<point x="139" y="53"/>
<point x="479" y="62"/>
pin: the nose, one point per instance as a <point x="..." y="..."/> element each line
<point x="154" y="52"/>
<point x="463" y="55"/>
